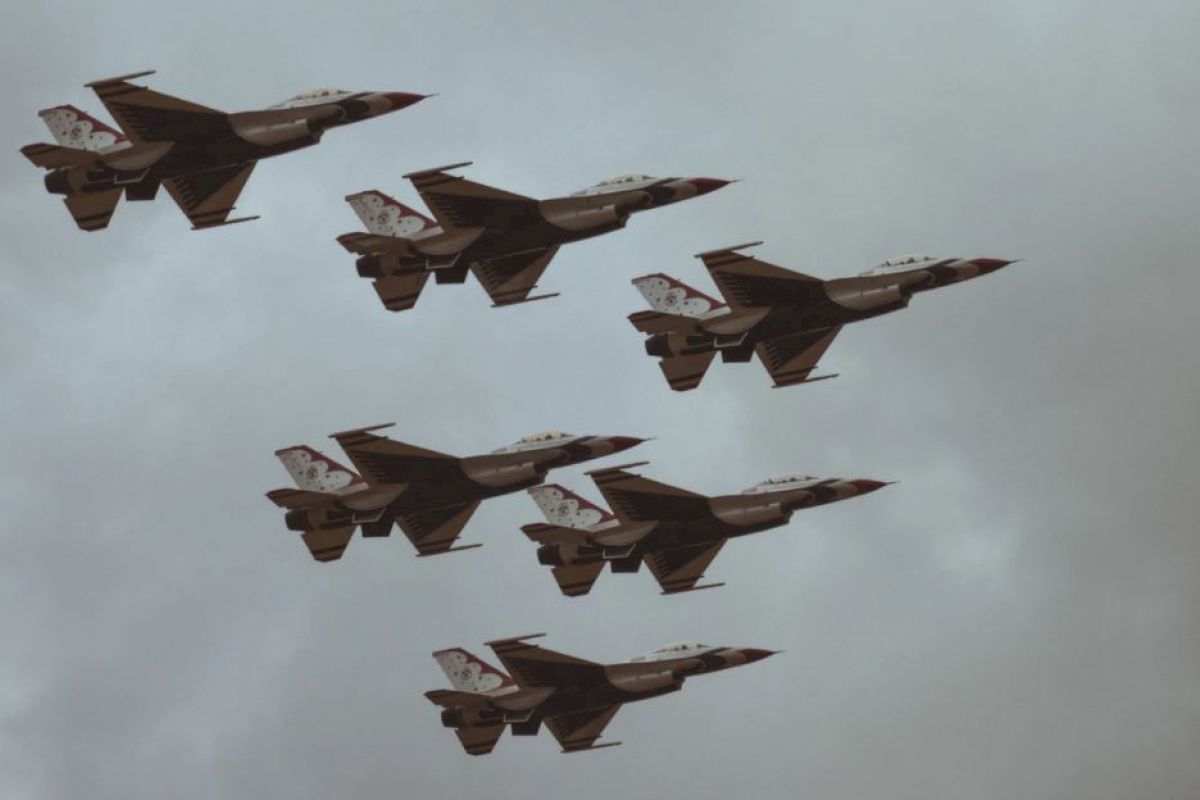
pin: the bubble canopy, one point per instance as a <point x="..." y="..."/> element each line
<point x="618" y="182"/>
<point x="900" y="264"/>
<point x="781" y="482"/>
<point x="536" y="440"/>
<point x="314" y="97"/>
<point x="675" y="650"/>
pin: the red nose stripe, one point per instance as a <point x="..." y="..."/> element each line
<point x="403" y="99"/>
<point x="864" y="485"/>
<point x="987" y="265"/>
<point x="624" y="442"/>
<point x="706" y="185"/>
<point x="752" y="654"/>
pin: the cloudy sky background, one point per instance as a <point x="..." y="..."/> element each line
<point x="1017" y="618"/>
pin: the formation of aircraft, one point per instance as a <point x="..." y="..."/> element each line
<point x="788" y="318"/>
<point x="576" y="699"/>
<point x="203" y="156"/>
<point x="430" y="495"/>
<point x="677" y="533"/>
<point x="507" y="240"/>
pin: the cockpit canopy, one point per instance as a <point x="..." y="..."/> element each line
<point x="314" y="97"/>
<point x="676" y="650"/>
<point x="616" y="184"/>
<point x="900" y="264"/>
<point x="781" y="483"/>
<point x="535" y="440"/>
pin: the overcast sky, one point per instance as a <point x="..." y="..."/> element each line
<point x="1018" y="618"/>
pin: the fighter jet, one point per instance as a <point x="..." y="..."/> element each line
<point x="676" y="532"/>
<point x="204" y="156"/>
<point x="575" y="698"/>
<point x="430" y="495"/>
<point x="506" y="239"/>
<point x="787" y="318"/>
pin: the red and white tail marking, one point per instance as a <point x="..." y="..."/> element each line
<point x="313" y="471"/>
<point x="669" y="296"/>
<point x="468" y="673"/>
<point x="387" y="216"/>
<point x="563" y="507"/>
<point x="74" y="128"/>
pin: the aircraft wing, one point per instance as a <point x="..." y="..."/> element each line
<point x="479" y="741"/>
<point x="328" y="544"/>
<point x="208" y="197"/>
<point x="579" y="731"/>
<point x="637" y="499"/>
<point x="434" y="530"/>
<point x="790" y="359"/>
<point x="148" y="116"/>
<point x="746" y="282"/>
<point x="400" y="292"/>
<point x="677" y="570"/>
<point x="510" y="279"/>
<point x="460" y="203"/>
<point x="533" y="666"/>
<point x="383" y="460"/>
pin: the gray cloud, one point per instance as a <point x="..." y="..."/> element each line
<point x="1016" y="618"/>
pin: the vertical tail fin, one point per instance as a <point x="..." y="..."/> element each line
<point x="469" y="673"/>
<point x="313" y="471"/>
<point x="563" y="507"/>
<point x="74" y="128"/>
<point x="667" y="295"/>
<point x="387" y="216"/>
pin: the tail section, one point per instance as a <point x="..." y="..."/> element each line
<point x="667" y="295"/>
<point x="75" y="129"/>
<point x="313" y="471"/>
<point x="469" y="673"/>
<point x="563" y="507"/>
<point x="386" y="216"/>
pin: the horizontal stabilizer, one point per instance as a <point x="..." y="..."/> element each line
<point x="659" y="322"/>
<point x="52" y="156"/>
<point x="299" y="498"/>
<point x="729" y="249"/>
<point x="450" y="699"/>
<point x="435" y="170"/>
<point x="544" y="533"/>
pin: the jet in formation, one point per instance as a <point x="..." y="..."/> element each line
<point x="677" y="533"/>
<point x="575" y="698"/>
<point x="506" y="239"/>
<point x="430" y="495"/>
<point x="202" y="155"/>
<point x="789" y="319"/>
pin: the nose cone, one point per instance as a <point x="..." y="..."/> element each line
<point x="399" y="100"/>
<point x="866" y="486"/>
<point x="752" y="654"/>
<point x="987" y="265"/>
<point x="706" y="185"/>
<point x="620" y="443"/>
